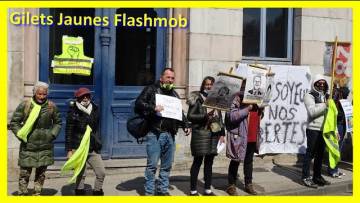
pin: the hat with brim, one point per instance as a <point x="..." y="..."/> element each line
<point x="81" y="92"/>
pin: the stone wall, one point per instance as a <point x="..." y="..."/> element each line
<point x="314" y="27"/>
<point x="214" y="42"/>
<point x="23" y="56"/>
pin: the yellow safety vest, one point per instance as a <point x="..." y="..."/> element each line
<point x="72" y="60"/>
<point x="329" y="134"/>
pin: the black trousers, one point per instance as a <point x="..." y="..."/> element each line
<point x="248" y="165"/>
<point x="315" y="150"/>
<point x="195" y="168"/>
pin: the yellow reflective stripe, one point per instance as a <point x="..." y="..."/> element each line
<point x="71" y="71"/>
<point x="72" y="64"/>
<point x="73" y="67"/>
<point x="71" y="59"/>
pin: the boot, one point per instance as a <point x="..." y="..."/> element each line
<point x="80" y="192"/>
<point x="249" y="188"/>
<point x="231" y="190"/>
<point x="98" y="192"/>
<point x="23" y="193"/>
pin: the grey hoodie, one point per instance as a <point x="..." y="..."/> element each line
<point x="315" y="103"/>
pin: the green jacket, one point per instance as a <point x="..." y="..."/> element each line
<point x="39" y="150"/>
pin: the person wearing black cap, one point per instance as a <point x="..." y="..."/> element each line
<point x="84" y="112"/>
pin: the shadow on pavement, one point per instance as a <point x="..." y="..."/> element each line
<point x="68" y="190"/>
<point x="182" y="183"/>
<point x="291" y="172"/>
<point x="136" y="184"/>
<point x="44" y="192"/>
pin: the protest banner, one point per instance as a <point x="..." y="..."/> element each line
<point x="172" y="106"/>
<point x="284" y="124"/>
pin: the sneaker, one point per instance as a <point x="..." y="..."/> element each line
<point x="80" y="192"/>
<point x="320" y="181"/>
<point x="194" y="194"/>
<point x="335" y="175"/>
<point x="249" y="188"/>
<point x="308" y="182"/>
<point x="209" y="194"/>
<point x="231" y="190"/>
<point x="98" y="192"/>
<point x="341" y="174"/>
<point x="23" y="193"/>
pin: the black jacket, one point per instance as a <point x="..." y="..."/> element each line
<point x="203" y="141"/>
<point x="76" y="122"/>
<point x="145" y="106"/>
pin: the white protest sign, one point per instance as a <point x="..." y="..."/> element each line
<point x="348" y="111"/>
<point x="172" y="106"/>
<point x="284" y="123"/>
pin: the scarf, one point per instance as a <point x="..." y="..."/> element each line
<point x="84" y="109"/>
<point x="26" y="129"/>
<point x="78" y="159"/>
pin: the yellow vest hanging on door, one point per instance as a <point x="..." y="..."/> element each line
<point x="72" y="60"/>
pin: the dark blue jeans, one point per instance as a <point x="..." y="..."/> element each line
<point x="158" y="148"/>
<point x="315" y="150"/>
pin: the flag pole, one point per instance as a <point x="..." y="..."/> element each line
<point x="333" y="67"/>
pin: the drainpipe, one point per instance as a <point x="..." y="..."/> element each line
<point x="105" y="101"/>
<point x="170" y="41"/>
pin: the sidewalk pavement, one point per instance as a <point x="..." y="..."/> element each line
<point x="270" y="179"/>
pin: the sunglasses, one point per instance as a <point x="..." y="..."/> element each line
<point x="321" y="82"/>
<point x="84" y="96"/>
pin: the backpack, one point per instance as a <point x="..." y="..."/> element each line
<point x="28" y="105"/>
<point x="138" y="127"/>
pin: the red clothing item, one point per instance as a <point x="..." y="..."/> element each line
<point x="254" y="125"/>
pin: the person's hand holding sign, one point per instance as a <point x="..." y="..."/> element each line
<point x="159" y="108"/>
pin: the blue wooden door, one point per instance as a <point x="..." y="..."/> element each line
<point x="125" y="59"/>
<point x="137" y="57"/>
